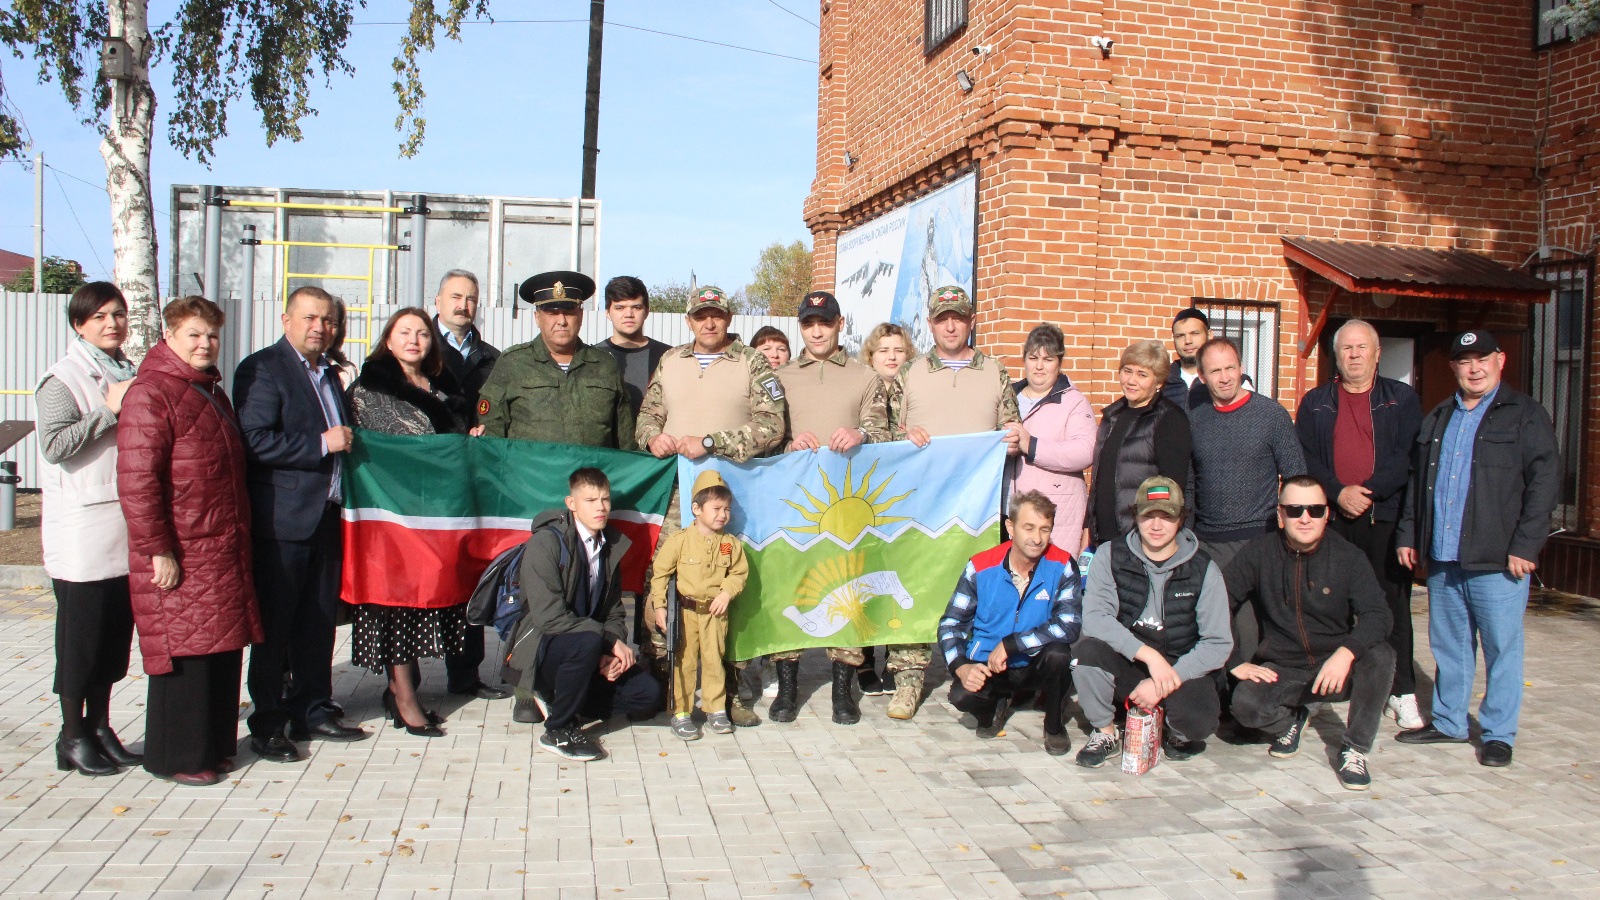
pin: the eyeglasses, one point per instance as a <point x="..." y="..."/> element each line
<point x="1296" y="510"/>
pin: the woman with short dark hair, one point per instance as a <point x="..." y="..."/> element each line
<point x="84" y="536"/>
<point x="773" y="344"/>
<point x="180" y="474"/>
<point x="405" y="389"/>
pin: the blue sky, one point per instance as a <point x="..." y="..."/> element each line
<point x="706" y="153"/>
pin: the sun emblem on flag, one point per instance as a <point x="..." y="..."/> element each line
<point x="850" y="508"/>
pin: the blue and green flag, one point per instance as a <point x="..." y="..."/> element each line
<point x="855" y="549"/>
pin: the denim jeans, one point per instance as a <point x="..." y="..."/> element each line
<point x="1464" y="609"/>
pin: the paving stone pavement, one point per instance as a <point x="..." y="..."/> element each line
<point x="885" y="809"/>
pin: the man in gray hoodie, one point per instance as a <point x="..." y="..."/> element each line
<point x="1155" y="629"/>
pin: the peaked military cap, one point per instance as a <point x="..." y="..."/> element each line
<point x="549" y="289"/>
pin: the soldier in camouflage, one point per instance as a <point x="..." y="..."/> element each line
<point x="956" y="389"/>
<point x="712" y="396"/>
<point x="837" y="403"/>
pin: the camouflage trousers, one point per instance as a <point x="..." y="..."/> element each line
<point x="902" y="657"/>
<point x="850" y="656"/>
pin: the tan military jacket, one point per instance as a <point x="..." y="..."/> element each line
<point x="737" y="401"/>
<point x="705" y="566"/>
<point x="835" y="393"/>
<point x="954" y="401"/>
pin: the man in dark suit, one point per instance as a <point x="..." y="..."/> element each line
<point x="295" y="433"/>
<point x="470" y="359"/>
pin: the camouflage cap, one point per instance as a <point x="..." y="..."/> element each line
<point x="709" y="297"/>
<point x="949" y="299"/>
<point x="1160" y="493"/>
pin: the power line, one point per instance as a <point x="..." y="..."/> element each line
<point x="75" y="218"/>
<point x="793" y="13"/>
<point x="99" y="187"/>
<point x="683" y="37"/>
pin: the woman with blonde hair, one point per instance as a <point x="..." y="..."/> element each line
<point x="1141" y="435"/>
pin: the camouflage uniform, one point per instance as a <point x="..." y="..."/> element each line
<point x="529" y="398"/>
<point x="944" y="401"/>
<point x="736" y="401"/>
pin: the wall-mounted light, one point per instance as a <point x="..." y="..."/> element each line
<point x="963" y="80"/>
<point x="849" y="160"/>
<point x="1383" y="301"/>
<point x="1103" y="44"/>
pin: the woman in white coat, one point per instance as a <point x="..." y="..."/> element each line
<point x="84" y="535"/>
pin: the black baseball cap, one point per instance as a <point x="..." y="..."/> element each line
<point x="1473" y="342"/>
<point x="819" y="303"/>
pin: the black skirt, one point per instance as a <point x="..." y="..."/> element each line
<point x="395" y="635"/>
<point x="192" y="714"/>
<point x="94" y="633"/>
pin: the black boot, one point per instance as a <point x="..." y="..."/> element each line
<point x="845" y="710"/>
<point x="111" y="748"/>
<point x="786" y="706"/>
<point x="82" y="754"/>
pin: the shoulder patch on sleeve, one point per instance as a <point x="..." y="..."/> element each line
<point x="483" y="406"/>
<point x="770" y="383"/>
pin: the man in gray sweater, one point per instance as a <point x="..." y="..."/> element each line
<point x="1155" y="628"/>
<point x="1244" y="443"/>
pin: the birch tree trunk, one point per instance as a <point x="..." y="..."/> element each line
<point x="125" y="146"/>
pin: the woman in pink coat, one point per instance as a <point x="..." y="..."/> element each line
<point x="1058" y="432"/>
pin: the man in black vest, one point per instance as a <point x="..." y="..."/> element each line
<point x="1155" y="628"/>
<point x="1325" y="626"/>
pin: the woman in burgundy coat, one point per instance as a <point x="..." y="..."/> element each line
<point x="180" y="477"/>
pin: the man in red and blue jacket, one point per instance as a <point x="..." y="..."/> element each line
<point x="1011" y="622"/>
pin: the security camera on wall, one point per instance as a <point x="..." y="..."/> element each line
<point x="982" y="50"/>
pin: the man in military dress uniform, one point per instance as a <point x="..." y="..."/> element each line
<point x="711" y="396"/>
<point x="956" y="389"/>
<point x="556" y="388"/>
<point x="837" y="403"/>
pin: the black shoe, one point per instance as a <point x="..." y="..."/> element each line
<point x="786" y="705"/>
<point x="570" y="743"/>
<point x="1057" y="744"/>
<point x="1496" y="754"/>
<point x="429" y="729"/>
<point x="871" y="683"/>
<point x="83" y="755"/>
<point x="1100" y="748"/>
<point x="482" y="691"/>
<point x="1178" y="751"/>
<point x="526" y="710"/>
<point x="274" y="748"/>
<point x="1288" y="744"/>
<point x="1353" y="772"/>
<point x="111" y="748"/>
<point x="327" y="730"/>
<point x="1427" y="734"/>
<point x="845" y="709"/>
<point x="997" y="722"/>
<point x="392" y="708"/>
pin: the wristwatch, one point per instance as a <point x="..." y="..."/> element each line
<point x="708" y="442"/>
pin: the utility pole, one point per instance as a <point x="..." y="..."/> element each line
<point x="38" y="225"/>
<point x="591" y="98"/>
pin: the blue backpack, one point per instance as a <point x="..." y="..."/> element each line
<point x="497" y="600"/>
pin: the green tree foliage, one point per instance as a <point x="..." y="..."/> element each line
<point x="671" y="297"/>
<point x="220" y="50"/>
<point x="61" y="276"/>
<point x="1581" y="17"/>
<point x="782" y="276"/>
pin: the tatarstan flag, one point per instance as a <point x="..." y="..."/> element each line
<point x="425" y="515"/>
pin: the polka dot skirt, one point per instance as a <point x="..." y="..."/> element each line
<point x="392" y="635"/>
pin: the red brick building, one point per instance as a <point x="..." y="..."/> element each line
<point x="1118" y="182"/>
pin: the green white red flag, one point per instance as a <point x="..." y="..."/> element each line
<point x="425" y="515"/>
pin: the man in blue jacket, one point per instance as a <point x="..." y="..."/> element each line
<point x="1357" y="432"/>
<point x="1486" y="479"/>
<point x="1010" y="625"/>
<point x="296" y="430"/>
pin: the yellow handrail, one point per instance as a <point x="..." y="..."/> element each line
<point x="21" y="393"/>
<point x="270" y="204"/>
<point x="371" y="249"/>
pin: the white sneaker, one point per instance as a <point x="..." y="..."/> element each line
<point x="1404" y="710"/>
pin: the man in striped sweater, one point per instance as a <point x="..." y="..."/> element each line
<point x="1009" y="628"/>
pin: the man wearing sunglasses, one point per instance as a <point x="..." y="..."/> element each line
<point x="1487" y="477"/>
<point x="1324" y="631"/>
